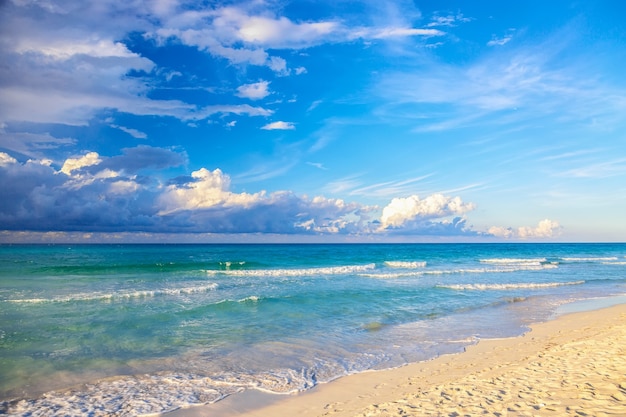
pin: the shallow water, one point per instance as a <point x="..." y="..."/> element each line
<point x="134" y="329"/>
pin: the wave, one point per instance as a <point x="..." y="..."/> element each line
<point x="296" y="272"/>
<point x="232" y="265"/>
<point x="405" y="264"/>
<point x="120" y="295"/>
<point x="591" y="259"/>
<point x="511" y="286"/>
<point x="514" y="261"/>
<point x="613" y="263"/>
<point x="500" y="269"/>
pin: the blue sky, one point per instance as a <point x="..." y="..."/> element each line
<point x="312" y="121"/>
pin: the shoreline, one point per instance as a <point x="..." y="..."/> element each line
<point x="574" y="362"/>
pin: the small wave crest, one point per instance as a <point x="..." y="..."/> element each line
<point x="511" y="286"/>
<point x="590" y="259"/>
<point x="405" y="264"/>
<point x="120" y="295"/>
<point x="227" y="265"/>
<point x="297" y="272"/>
<point x="491" y="270"/>
<point x="514" y="261"/>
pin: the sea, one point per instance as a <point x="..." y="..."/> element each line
<point x="125" y="330"/>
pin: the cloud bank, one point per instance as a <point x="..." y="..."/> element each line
<point x="92" y="193"/>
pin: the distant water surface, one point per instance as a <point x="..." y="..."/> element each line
<point x="139" y="329"/>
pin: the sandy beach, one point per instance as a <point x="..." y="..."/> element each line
<point x="573" y="365"/>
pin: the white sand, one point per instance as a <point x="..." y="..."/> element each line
<point x="574" y="365"/>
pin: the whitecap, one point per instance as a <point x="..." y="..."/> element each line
<point x="591" y="259"/>
<point x="405" y="264"/>
<point x="120" y="295"/>
<point x="296" y="272"/>
<point x="511" y="286"/>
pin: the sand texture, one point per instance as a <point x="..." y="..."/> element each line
<point x="572" y="366"/>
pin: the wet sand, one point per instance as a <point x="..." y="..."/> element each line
<point x="573" y="365"/>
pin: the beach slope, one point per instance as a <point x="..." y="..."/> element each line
<point x="574" y="365"/>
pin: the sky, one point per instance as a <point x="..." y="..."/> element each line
<point x="312" y="121"/>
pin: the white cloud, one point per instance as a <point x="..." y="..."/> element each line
<point x="137" y="134"/>
<point x="73" y="164"/>
<point x="545" y="229"/>
<point x="279" y="126"/>
<point x="272" y="32"/>
<point x="64" y="49"/>
<point x="499" y="41"/>
<point x="401" y="212"/>
<point x="317" y="165"/>
<point x="448" y="20"/>
<point x="6" y="159"/>
<point x="394" y="32"/>
<point x="244" y="34"/>
<point x="206" y="189"/>
<point x="254" y="91"/>
<point x="230" y="109"/>
<point x="64" y="72"/>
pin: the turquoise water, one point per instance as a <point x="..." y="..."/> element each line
<point x="139" y="329"/>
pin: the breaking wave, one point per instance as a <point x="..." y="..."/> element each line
<point x="591" y="259"/>
<point x="121" y="295"/>
<point x="512" y="286"/>
<point x="405" y="264"/>
<point x="296" y="272"/>
<point x="495" y="269"/>
<point x="514" y="261"/>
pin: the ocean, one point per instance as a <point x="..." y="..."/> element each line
<point x="146" y="329"/>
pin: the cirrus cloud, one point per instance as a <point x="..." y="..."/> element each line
<point x="280" y="125"/>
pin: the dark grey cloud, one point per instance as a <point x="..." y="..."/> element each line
<point x="142" y="157"/>
<point x="455" y="227"/>
<point x="107" y="196"/>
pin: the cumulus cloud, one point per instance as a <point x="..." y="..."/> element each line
<point x="254" y="91"/>
<point x="72" y="164"/>
<point x="206" y="189"/>
<point x="87" y="193"/>
<point x="6" y="159"/>
<point x="545" y="229"/>
<point x="204" y="202"/>
<point x="95" y="193"/>
<point x="280" y="125"/>
<point x="412" y="211"/>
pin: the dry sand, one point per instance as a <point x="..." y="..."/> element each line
<point x="574" y="365"/>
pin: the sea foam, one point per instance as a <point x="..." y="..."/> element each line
<point x="296" y="272"/>
<point x="405" y="264"/>
<point x="120" y="295"/>
<point x="511" y="286"/>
